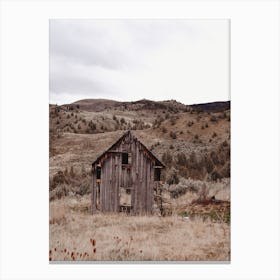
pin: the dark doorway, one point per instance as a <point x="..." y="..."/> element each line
<point x="157" y="174"/>
<point x="124" y="158"/>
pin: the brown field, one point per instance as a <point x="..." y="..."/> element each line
<point x="76" y="235"/>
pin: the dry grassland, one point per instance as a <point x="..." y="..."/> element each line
<point x="76" y="235"/>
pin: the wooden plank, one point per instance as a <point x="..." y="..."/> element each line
<point x="113" y="183"/>
<point x="133" y="175"/>
<point x="141" y="182"/>
<point x="151" y="189"/>
<point x="120" y="178"/>
<point x="109" y="186"/>
<point x="144" y="197"/>
<point x="105" y="185"/>
<point x="102" y="187"/>
<point x="148" y="195"/>
<point x="144" y="186"/>
<point x="107" y="199"/>
<point x="93" y="194"/>
<point x="136" y="183"/>
<point x="117" y="183"/>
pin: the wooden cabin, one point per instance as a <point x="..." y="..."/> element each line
<point x="126" y="178"/>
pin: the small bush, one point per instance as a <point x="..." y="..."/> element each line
<point x="58" y="179"/>
<point x="225" y="143"/>
<point x="173" y="177"/>
<point x="167" y="158"/>
<point x="192" y="161"/>
<point x="172" y="135"/>
<point x="181" y="159"/>
<point x="173" y="121"/>
<point x="92" y="125"/>
<point x="190" y="123"/>
<point x="213" y="119"/>
<point x="177" y="190"/>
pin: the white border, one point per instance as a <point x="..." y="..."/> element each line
<point x="255" y="137"/>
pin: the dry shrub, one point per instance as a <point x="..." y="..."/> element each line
<point x="199" y="190"/>
<point x="79" y="204"/>
<point x="203" y="194"/>
<point x="181" y="159"/>
<point x="167" y="158"/>
<point x="177" y="190"/>
<point x="58" y="212"/>
<point x="59" y="192"/>
<point x="75" y="182"/>
<point x="58" y="178"/>
<point x="213" y="119"/>
<point x="173" y="135"/>
<point x="172" y="177"/>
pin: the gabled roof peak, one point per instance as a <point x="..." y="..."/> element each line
<point x="126" y="133"/>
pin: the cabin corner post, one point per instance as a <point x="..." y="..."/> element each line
<point x="93" y="191"/>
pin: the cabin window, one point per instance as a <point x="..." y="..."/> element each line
<point x="98" y="172"/>
<point x="126" y="158"/>
<point x="157" y="174"/>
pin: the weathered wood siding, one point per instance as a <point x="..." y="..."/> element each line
<point x="137" y="175"/>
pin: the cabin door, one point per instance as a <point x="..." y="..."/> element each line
<point x="125" y="185"/>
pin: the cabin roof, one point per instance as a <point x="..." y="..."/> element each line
<point x="158" y="162"/>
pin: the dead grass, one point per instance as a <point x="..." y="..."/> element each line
<point x="58" y="212"/>
<point x="76" y="235"/>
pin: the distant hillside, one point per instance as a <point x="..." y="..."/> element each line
<point x="94" y="105"/>
<point x="193" y="139"/>
<point x="212" y="107"/>
<point x="99" y="105"/>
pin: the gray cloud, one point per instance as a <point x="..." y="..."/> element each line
<point x="133" y="59"/>
<point x="89" y="43"/>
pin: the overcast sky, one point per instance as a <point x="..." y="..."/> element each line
<point x="128" y="60"/>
